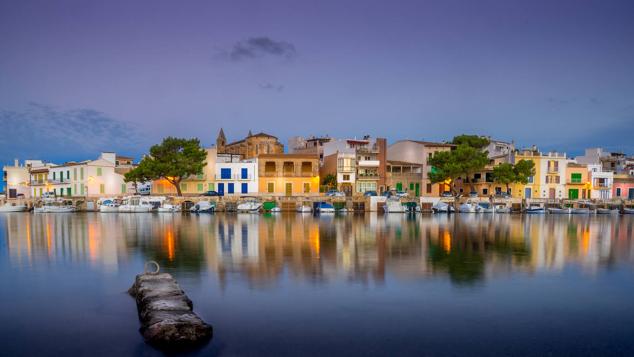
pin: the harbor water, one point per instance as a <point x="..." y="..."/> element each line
<point x="304" y="285"/>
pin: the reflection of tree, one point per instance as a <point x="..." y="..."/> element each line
<point x="463" y="264"/>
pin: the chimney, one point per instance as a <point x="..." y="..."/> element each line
<point x="16" y="162"/>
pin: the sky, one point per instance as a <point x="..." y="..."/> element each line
<point x="80" y="77"/>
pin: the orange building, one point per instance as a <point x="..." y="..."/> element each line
<point x="288" y="174"/>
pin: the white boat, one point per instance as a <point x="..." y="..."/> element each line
<point x="13" y="207"/>
<point x="304" y="209"/>
<point x="342" y="210"/>
<point x="534" y="209"/>
<point x="393" y="205"/>
<point x="276" y="209"/>
<point x="56" y="206"/>
<point x="203" y="207"/>
<point x="628" y="210"/>
<point x="485" y="207"/>
<point x="135" y="204"/>
<point x="109" y="205"/>
<point x="169" y="208"/>
<point x="502" y="208"/>
<point x="559" y="210"/>
<point x="581" y="210"/>
<point x="249" y="205"/>
<point x="468" y="207"/>
<point x="442" y="207"/>
<point x="324" y="207"/>
<point x="607" y="211"/>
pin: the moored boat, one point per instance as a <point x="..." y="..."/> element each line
<point x="169" y="208"/>
<point x="607" y="211"/>
<point x="442" y="207"/>
<point x="502" y="208"/>
<point x="559" y="210"/>
<point x="325" y="207"/>
<point x="203" y="207"/>
<point x="135" y="204"/>
<point x="56" y="206"/>
<point x="304" y="209"/>
<point x="535" y="209"/>
<point x="468" y="207"/>
<point x="485" y="207"/>
<point x="249" y="204"/>
<point x="12" y="207"/>
<point x="628" y="210"/>
<point x="394" y="205"/>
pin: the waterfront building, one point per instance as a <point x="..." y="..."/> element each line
<point x="404" y="176"/>
<point x="194" y="185"/>
<point x="601" y="182"/>
<point x="577" y="181"/>
<point x="623" y="187"/>
<point x="616" y="162"/>
<point x="91" y="178"/>
<point x="419" y="152"/>
<point x="310" y="146"/>
<point x="251" y="146"/>
<point x="482" y="183"/>
<point x="288" y="174"/>
<point x="359" y="164"/>
<point x="16" y="178"/>
<point x="549" y="179"/>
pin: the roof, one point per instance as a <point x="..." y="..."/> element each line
<point x="124" y="157"/>
<point x="402" y="163"/>
<point x="262" y="134"/>
<point x="288" y="156"/>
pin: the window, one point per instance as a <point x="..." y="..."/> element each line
<point x="183" y="187"/>
<point x="81" y="189"/>
<point x="244" y="187"/>
<point x="199" y="176"/>
<point x="75" y="174"/>
<point x="575" y="178"/>
<point x="230" y="188"/>
<point x="102" y="188"/>
<point x="429" y="188"/>
<point x="68" y="174"/>
<point x="411" y="186"/>
<point x="221" y="188"/>
<point x="618" y="192"/>
<point x="346" y="177"/>
<point x="225" y="173"/>
<point x="99" y="172"/>
<point x="123" y="188"/>
<point x="530" y="179"/>
<point x="270" y="187"/>
<point x="53" y="175"/>
<point x="485" y="191"/>
<point x="81" y="173"/>
<point x="200" y="187"/>
<point x="210" y="186"/>
<point x="306" y="187"/>
<point x="244" y="173"/>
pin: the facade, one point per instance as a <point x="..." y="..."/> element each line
<point x="577" y="181"/>
<point x="549" y="180"/>
<point x="360" y="164"/>
<point x="288" y="174"/>
<point x="418" y="152"/>
<point x="623" y="187"/>
<point x="610" y="161"/>
<point x="250" y="147"/>
<point x="310" y="146"/>
<point x="405" y="176"/>
<point x="93" y="178"/>
<point x="601" y="182"/>
<point x="16" y="178"/>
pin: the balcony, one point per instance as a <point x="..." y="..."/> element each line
<point x="575" y="182"/>
<point x="368" y="176"/>
<point x="369" y="163"/>
<point x="234" y="177"/>
<point x="553" y="169"/>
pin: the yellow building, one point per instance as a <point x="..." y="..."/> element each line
<point x="549" y="180"/>
<point x="577" y="181"/>
<point x="194" y="185"/>
<point x="288" y="174"/>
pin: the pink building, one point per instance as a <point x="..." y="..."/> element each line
<point x="623" y="187"/>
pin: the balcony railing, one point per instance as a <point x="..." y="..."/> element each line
<point x="575" y="182"/>
<point x="235" y="177"/>
<point x="369" y="163"/>
<point x="367" y="176"/>
<point x="287" y="174"/>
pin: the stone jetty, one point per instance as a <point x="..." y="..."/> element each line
<point x="165" y="312"/>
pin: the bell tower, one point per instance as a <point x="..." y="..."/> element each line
<point x="221" y="141"/>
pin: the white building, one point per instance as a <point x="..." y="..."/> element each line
<point x="233" y="176"/>
<point x="16" y="178"/>
<point x="602" y="182"/>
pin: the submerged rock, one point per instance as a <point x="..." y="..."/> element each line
<point x="166" y="312"/>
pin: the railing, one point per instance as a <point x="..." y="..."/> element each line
<point x="368" y="176"/>
<point x="288" y="174"/>
<point x="574" y="182"/>
<point x="234" y="177"/>
<point x="372" y="163"/>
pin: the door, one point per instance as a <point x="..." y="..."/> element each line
<point x="630" y="195"/>
<point x="417" y="189"/>
<point x="230" y="188"/>
<point x="221" y="189"/>
<point x="245" y="188"/>
<point x="68" y="191"/>
<point x="289" y="189"/>
<point x="573" y="194"/>
<point x="399" y="186"/>
<point x="528" y="193"/>
<point x="552" y="193"/>
<point x="13" y="193"/>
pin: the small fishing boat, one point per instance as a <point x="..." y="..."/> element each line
<point x="393" y="205"/>
<point x="342" y="210"/>
<point x="607" y="211"/>
<point x="276" y="209"/>
<point x="169" y="208"/>
<point x="485" y="207"/>
<point x="249" y="204"/>
<point x="628" y="210"/>
<point x="580" y="210"/>
<point x="203" y="207"/>
<point x="559" y="210"/>
<point x="13" y="207"/>
<point x="135" y="204"/>
<point x="534" y="209"/>
<point x="304" y="209"/>
<point x="56" y="206"/>
<point x="502" y="208"/>
<point x="108" y="205"/>
<point x="325" y="207"/>
<point x="442" y="207"/>
<point x="468" y="207"/>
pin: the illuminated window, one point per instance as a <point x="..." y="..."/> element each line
<point x="271" y="187"/>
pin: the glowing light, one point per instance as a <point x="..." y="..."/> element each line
<point x="169" y="238"/>
<point x="446" y="241"/>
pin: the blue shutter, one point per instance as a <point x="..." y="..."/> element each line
<point x="221" y="188"/>
<point x="230" y="188"/>
<point x="225" y="174"/>
<point x="245" y="174"/>
<point x="245" y="187"/>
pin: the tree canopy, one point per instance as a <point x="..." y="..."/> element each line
<point x="330" y="181"/>
<point x="173" y="160"/>
<point x="475" y="141"/>
<point x="519" y="173"/>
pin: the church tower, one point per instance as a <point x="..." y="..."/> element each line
<point x="221" y="141"/>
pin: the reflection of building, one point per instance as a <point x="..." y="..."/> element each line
<point x="251" y="146"/>
<point x="418" y="152"/>
<point x="288" y="174"/>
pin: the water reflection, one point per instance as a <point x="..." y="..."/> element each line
<point x="364" y="249"/>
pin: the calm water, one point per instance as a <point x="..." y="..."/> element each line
<point x="304" y="285"/>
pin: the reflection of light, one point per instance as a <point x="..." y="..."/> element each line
<point x="314" y="239"/>
<point x="92" y="242"/>
<point x="585" y="242"/>
<point x="446" y="241"/>
<point x="169" y="237"/>
<point x="48" y="236"/>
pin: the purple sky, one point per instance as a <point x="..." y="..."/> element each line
<point x="559" y="74"/>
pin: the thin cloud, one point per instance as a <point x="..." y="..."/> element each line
<point x="259" y="47"/>
<point x="271" y="87"/>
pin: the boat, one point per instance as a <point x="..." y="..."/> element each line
<point x="276" y="209"/>
<point x="135" y="204"/>
<point x="109" y="205"/>
<point x="325" y="207"/>
<point x="442" y="207"/>
<point x="304" y="209"/>
<point x="393" y="205"/>
<point x="534" y="209"/>
<point x="485" y="207"/>
<point x="468" y="207"/>
<point x="559" y="210"/>
<point x="607" y="211"/>
<point x="13" y="207"/>
<point x="169" y="208"/>
<point x="580" y="210"/>
<point x="250" y="204"/>
<point x="628" y="210"/>
<point x="203" y="207"/>
<point x="342" y="210"/>
<point x="502" y="208"/>
<point x="56" y="206"/>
